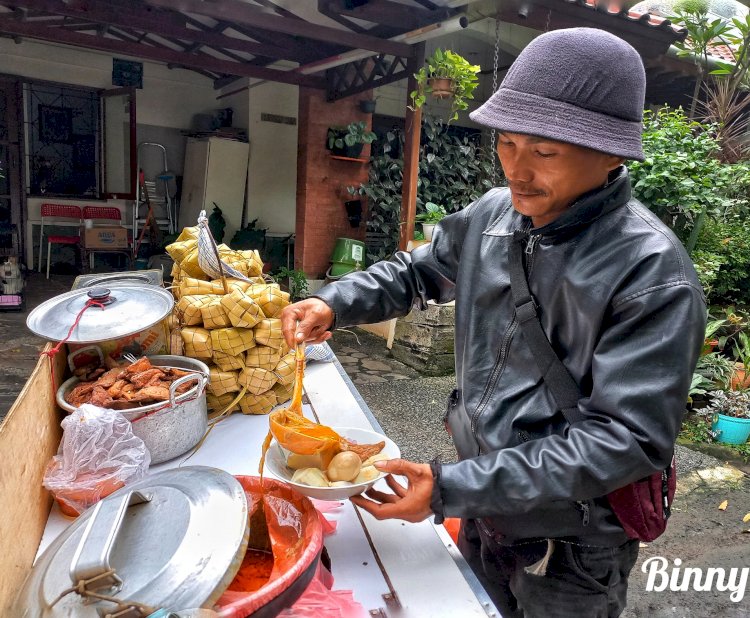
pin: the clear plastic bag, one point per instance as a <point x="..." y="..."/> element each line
<point x="98" y="454"/>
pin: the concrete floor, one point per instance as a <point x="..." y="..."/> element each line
<point x="19" y="348"/>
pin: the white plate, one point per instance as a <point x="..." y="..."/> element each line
<point x="276" y="465"/>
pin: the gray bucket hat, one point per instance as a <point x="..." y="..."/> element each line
<point x="582" y="86"/>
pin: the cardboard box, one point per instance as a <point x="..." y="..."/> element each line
<point x="106" y="237"/>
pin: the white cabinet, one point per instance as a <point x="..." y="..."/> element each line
<point x="215" y="171"/>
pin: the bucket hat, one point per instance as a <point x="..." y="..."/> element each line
<point x="582" y="86"/>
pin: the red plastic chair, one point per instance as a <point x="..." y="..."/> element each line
<point x="108" y="213"/>
<point x="58" y="211"/>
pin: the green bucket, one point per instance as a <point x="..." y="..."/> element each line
<point x="349" y="251"/>
<point x="338" y="270"/>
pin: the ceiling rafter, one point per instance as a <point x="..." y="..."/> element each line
<point x="12" y="26"/>
<point x="388" y="13"/>
<point x="236" y="11"/>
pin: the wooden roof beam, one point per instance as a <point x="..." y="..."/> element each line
<point x="34" y="31"/>
<point x="236" y="11"/>
<point x="389" y="13"/>
<point x="98" y="13"/>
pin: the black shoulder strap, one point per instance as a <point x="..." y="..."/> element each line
<point x="554" y="373"/>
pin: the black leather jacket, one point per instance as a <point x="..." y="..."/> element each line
<point x="619" y="300"/>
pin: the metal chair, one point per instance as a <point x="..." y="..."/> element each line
<point x="55" y="213"/>
<point x="108" y="213"/>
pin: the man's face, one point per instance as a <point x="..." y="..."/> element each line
<point x="545" y="177"/>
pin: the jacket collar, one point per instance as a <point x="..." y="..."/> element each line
<point x="587" y="208"/>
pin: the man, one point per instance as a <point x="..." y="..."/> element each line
<point x="618" y="299"/>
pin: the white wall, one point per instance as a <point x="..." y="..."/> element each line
<point x="272" y="170"/>
<point x="167" y="102"/>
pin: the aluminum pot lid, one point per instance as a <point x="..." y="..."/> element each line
<point x="127" y="310"/>
<point x="174" y="540"/>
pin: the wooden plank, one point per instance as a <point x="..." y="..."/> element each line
<point x="29" y="437"/>
<point x="236" y="11"/>
<point x="137" y="50"/>
<point x="413" y="123"/>
<point x="94" y="12"/>
<point x="389" y="13"/>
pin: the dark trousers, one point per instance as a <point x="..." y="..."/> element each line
<point x="581" y="581"/>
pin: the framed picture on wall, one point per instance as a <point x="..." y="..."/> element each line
<point x="55" y="124"/>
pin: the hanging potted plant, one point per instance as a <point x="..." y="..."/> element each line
<point x="446" y="75"/>
<point x="349" y="141"/>
<point x="432" y="215"/>
<point x="730" y="416"/>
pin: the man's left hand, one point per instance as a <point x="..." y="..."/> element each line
<point x="410" y="503"/>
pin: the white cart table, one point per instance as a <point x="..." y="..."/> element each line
<point x="396" y="569"/>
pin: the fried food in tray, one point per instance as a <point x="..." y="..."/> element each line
<point x="122" y="388"/>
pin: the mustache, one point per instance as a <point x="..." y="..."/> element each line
<point x="517" y="187"/>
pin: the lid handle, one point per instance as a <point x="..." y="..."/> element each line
<point x="91" y="557"/>
<point x="100" y="295"/>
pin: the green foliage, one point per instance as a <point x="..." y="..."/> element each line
<point x="353" y="133"/>
<point x="249" y="237"/>
<point x="453" y="170"/>
<point x="447" y="65"/>
<point x="681" y="179"/>
<point x="697" y="429"/>
<point x="433" y="213"/>
<point x="217" y="224"/>
<point x="723" y="257"/>
<point x="715" y="371"/>
<point x="418" y="235"/>
<point x="729" y="403"/>
<point x="295" y="280"/>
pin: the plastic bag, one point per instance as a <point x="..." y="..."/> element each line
<point x="98" y="454"/>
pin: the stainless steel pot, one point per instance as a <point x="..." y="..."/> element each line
<point x="168" y="429"/>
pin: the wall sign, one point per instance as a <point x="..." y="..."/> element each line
<point x="127" y="73"/>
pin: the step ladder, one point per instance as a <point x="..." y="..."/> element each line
<point x="158" y="195"/>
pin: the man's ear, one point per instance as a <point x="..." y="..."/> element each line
<point x="613" y="162"/>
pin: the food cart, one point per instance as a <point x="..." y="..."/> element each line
<point x="393" y="568"/>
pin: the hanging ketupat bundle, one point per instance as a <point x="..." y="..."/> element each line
<point x="262" y="356"/>
<point x="243" y="311"/>
<point x="271" y="300"/>
<point x="190" y="286"/>
<point x="222" y="382"/>
<point x="190" y="265"/>
<point x="227" y="362"/>
<point x="179" y="250"/>
<point x="232" y="341"/>
<point x="214" y="314"/>
<point x="189" y="308"/>
<point x="257" y="380"/>
<point x="283" y="391"/>
<point x="254" y="263"/>
<point x="268" y="332"/>
<point x="197" y="342"/>
<point x="258" y="404"/>
<point x="285" y="369"/>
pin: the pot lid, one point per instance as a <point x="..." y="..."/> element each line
<point x="173" y="541"/>
<point x="127" y="310"/>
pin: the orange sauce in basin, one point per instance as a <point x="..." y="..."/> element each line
<point x="254" y="573"/>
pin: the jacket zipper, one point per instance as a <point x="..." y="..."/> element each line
<point x="502" y="356"/>
<point x="583" y="507"/>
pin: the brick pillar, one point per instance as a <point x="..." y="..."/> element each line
<point x="322" y="181"/>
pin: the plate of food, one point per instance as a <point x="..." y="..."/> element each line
<point x="347" y="473"/>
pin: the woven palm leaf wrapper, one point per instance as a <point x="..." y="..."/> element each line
<point x="257" y="380"/>
<point x="235" y="284"/>
<point x="258" y="404"/>
<point x="254" y="263"/>
<point x="191" y="265"/>
<point x="179" y="250"/>
<point x="214" y="314"/>
<point x="263" y="356"/>
<point x="190" y="286"/>
<point x="188" y="233"/>
<point x="197" y="342"/>
<point x="219" y="404"/>
<point x="285" y="369"/>
<point x="208" y="254"/>
<point x="283" y="391"/>
<point x="188" y="308"/>
<point x="268" y="332"/>
<point x="271" y="300"/>
<point x="227" y="362"/>
<point x="243" y="311"/>
<point x="233" y="259"/>
<point x="232" y="341"/>
<point x="222" y="382"/>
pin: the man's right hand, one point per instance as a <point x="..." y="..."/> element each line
<point x="308" y="320"/>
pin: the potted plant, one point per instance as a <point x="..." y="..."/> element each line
<point x="432" y="215"/>
<point x="367" y="106"/>
<point x="741" y="378"/>
<point x="348" y="141"/>
<point x="730" y="416"/>
<point x="446" y="75"/>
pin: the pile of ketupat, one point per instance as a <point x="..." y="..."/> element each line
<point x="237" y="332"/>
